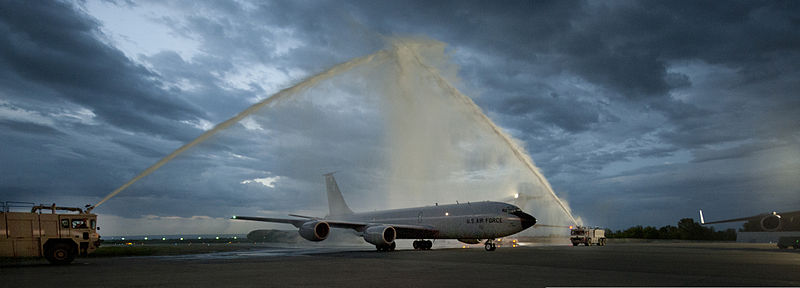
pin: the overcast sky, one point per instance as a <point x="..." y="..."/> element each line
<point x="638" y="112"/>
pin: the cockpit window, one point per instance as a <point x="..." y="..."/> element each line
<point x="511" y="210"/>
<point x="78" y="223"/>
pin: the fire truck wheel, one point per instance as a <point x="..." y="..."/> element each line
<point x="60" y="253"/>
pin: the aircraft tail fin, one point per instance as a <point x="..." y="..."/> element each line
<point x="702" y="221"/>
<point x="336" y="202"/>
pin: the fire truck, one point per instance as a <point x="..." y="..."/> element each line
<point x="587" y="236"/>
<point x="41" y="232"/>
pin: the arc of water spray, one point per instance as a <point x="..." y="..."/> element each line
<point x="515" y="149"/>
<point x="255" y="107"/>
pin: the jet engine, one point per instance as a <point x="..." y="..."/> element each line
<point x="380" y="235"/>
<point x="771" y="222"/>
<point x="315" y="230"/>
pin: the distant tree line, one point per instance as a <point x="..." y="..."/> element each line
<point x="687" y="230"/>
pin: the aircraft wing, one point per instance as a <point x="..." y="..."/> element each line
<point x="358" y="226"/>
<point x="703" y="220"/>
<point x="296" y="222"/>
<point x="414" y="232"/>
<point x="732" y="220"/>
<point x="404" y="231"/>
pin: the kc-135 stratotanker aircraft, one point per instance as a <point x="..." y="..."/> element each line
<point x="469" y="223"/>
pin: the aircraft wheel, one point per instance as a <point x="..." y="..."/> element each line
<point x="392" y="246"/>
<point x="489" y="245"/>
<point x="416" y="245"/>
<point x="428" y="245"/>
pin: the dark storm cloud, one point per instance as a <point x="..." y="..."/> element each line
<point x="571" y="115"/>
<point x="623" y="46"/>
<point x="64" y="55"/>
<point x="742" y="151"/>
<point x="26" y="127"/>
<point x="626" y="48"/>
<point x="207" y="93"/>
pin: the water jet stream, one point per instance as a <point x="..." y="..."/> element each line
<point x="518" y="151"/>
<point x="403" y="54"/>
<point x="250" y="110"/>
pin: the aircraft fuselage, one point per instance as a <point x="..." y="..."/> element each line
<point x="477" y="220"/>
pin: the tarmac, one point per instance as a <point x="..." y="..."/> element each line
<point x="617" y="264"/>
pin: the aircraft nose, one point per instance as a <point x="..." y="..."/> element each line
<point x="525" y="219"/>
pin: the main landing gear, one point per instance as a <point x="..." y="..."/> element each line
<point x="422" y="244"/>
<point x="489" y="245"/>
<point x="389" y="247"/>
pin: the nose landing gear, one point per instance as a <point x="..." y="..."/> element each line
<point x="489" y="245"/>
